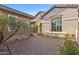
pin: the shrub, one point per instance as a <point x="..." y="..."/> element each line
<point x="69" y="36"/>
<point x="69" y="48"/>
<point x="34" y="27"/>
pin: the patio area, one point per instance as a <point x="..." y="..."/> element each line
<point x="35" y="45"/>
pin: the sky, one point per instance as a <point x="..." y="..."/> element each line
<point x="31" y="9"/>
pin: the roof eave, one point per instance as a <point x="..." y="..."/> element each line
<point x="15" y="11"/>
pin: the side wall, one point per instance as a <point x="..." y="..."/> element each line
<point x="47" y="18"/>
<point x="69" y="21"/>
<point x="46" y="26"/>
<point x="39" y="21"/>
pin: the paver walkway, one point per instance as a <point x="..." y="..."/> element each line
<point x="35" y="45"/>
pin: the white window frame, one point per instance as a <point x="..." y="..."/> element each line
<point x="56" y="25"/>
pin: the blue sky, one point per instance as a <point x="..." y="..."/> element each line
<point x="32" y="9"/>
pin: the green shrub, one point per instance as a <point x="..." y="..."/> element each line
<point x="69" y="36"/>
<point x="34" y="27"/>
<point x="69" y="48"/>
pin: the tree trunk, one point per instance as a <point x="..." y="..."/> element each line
<point x="4" y="40"/>
<point x="1" y="34"/>
<point x="1" y="37"/>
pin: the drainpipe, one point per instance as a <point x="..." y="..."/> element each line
<point x="30" y="28"/>
<point x="77" y="35"/>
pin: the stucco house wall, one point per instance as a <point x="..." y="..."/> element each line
<point x="39" y="20"/>
<point x="45" y="26"/>
<point x="25" y="19"/>
<point x="70" y="21"/>
<point x="68" y="15"/>
<point x="47" y="18"/>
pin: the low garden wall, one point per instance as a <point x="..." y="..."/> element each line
<point x="58" y="35"/>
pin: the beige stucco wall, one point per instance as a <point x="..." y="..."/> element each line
<point x="47" y="18"/>
<point x="21" y="32"/>
<point x="54" y="12"/>
<point x="69" y="26"/>
<point x="68" y="16"/>
<point x="69" y="20"/>
<point x="46" y="26"/>
<point x="39" y="20"/>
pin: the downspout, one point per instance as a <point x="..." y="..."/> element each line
<point x="77" y="35"/>
<point x="30" y="27"/>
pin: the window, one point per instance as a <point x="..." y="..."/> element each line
<point x="57" y="25"/>
<point x="12" y="22"/>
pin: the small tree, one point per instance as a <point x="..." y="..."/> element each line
<point x="34" y="27"/>
<point x="14" y="25"/>
<point x="3" y="23"/>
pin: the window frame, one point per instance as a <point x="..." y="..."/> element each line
<point x="57" y="28"/>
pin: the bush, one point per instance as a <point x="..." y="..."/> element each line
<point x="69" y="36"/>
<point x="34" y="27"/>
<point x="69" y="48"/>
